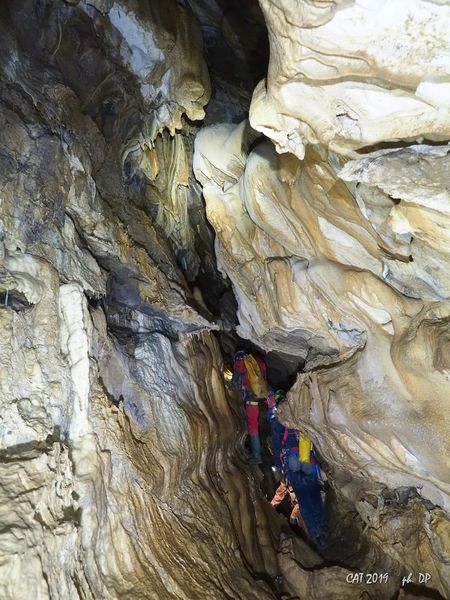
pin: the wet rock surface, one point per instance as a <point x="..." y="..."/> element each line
<point x="342" y="262"/>
<point x="120" y="447"/>
<point x="145" y="224"/>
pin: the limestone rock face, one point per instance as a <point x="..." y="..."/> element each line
<point x="313" y="277"/>
<point x="120" y="448"/>
<point x="350" y="75"/>
<point x="110" y="455"/>
<point x="344" y="263"/>
<point x="123" y="473"/>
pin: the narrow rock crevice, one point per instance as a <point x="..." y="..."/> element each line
<point x="180" y="180"/>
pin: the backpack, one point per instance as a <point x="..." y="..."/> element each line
<point x="305" y="446"/>
<point x="304" y="449"/>
<point x="256" y="379"/>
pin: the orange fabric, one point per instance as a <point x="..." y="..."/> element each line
<point x="295" y="511"/>
<point x="294" y="503"/>
<point x="280" y="494"/>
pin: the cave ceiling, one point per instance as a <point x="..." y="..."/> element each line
<point x="179" y="179"/>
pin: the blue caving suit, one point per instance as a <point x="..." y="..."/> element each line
<point x="302" y="477"/>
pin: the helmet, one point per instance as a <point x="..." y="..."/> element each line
<point x="280" y="395"/>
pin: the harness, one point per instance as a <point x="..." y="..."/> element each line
<point x="316" y="469"/>
<point x="295" y="449"/>
<point x="285" y="436"/>
<point x="285" y="451"/>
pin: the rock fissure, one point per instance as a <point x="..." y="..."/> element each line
<point x="185" y="179"/>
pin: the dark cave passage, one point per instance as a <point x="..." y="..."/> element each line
<point x="161" y="210"/>
<point x="236" y="50"/>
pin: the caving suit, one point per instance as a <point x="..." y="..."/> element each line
<point x="240" y="381"/>
<point x="303" y="479"/>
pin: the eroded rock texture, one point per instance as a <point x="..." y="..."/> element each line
<point x="353" y="74"/>
<point x="122" y="467"/>
<point x="120" y="447"/>
<point x="345" y="262"/>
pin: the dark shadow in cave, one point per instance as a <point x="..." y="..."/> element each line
<point x="236" y="51"/>
<point x="282" y="371"/>
<point x="347" y="544"/>
<point x="398" y="144"/>
<point x="422" y="592"/>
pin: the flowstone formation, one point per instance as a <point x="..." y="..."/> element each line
<point x="121" y="451"/>
<point x="335" y="235"/>
<point x="122" y="468"/>
<point x="350" y="75"/>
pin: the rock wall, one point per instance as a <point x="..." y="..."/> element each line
<point x="350" y="75"/>
<point x="121" y="453"/>
<point x="335" y="237"/>
<point x="117" y="478"/>
<point x="122" y="466"/>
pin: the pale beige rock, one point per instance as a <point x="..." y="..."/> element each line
<point x="119" y="445"/>
<point x="404" y="194"/>
<point x="111" y="513"/>
<point x="310" y="272"/>
<point x="165" y="56"/>
<point x="121" y="451"/>
<point x="354" y="74"/>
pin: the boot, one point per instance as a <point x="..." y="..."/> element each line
<point x="255" y="444"/>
